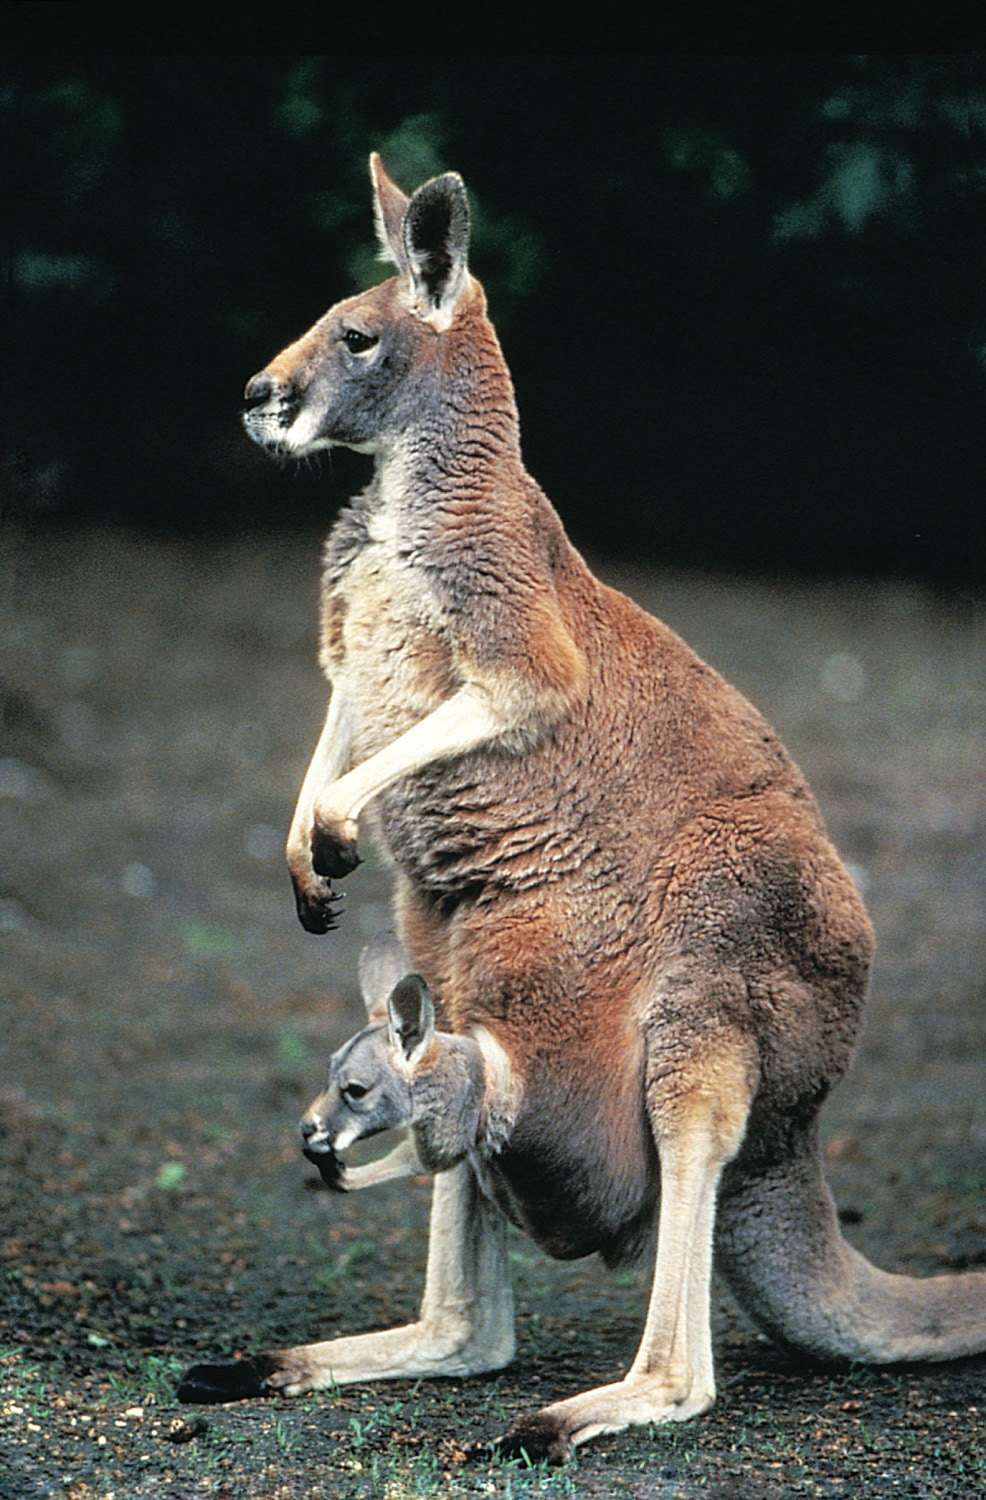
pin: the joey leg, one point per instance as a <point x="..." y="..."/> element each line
<point x="465" y="1325"/>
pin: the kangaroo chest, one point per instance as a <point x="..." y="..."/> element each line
<point x="384" y="646"/>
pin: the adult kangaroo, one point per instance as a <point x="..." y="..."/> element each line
<point x="609" y="873"/>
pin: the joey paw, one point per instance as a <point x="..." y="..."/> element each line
<point x="331" y="1168"/>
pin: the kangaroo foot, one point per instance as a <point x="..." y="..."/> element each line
<point x="535" y="1438"/>
<point x="550" y="1435"/>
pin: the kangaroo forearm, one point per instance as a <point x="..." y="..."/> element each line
<point x="464" y="722"/>
<point x="330" y="761"/>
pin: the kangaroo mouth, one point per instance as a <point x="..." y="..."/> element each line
<point x="288" y="426"/>
<point x="268" y="425"/>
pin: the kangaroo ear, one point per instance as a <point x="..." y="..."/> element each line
<point x="411" y="1017"/>
<point x="436" y="244"/>
<point x="389" y="208"/>
<point x="381" y="964"/>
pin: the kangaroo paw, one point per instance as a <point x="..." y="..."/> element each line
<point x="241" y="1380"/>
<point x="333" y="856"/>
<point x="331" y="1168"/>
<point x="333" y="843"/>
<point x="317" y="907"/>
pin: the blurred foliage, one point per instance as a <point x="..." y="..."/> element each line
<point x="743" y="297"/>
<point x="705" y="153"/>
<point x="900" y="141"/>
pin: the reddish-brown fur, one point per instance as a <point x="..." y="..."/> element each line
<point x="606" y="864"/>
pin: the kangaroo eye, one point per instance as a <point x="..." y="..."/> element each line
<point x="354" y="1091"/>
<point x="358" y="343"/>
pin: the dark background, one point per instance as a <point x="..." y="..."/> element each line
<point x="743" y="297"/>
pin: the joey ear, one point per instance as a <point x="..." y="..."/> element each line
<point x="411" y="1016"/>
<point x="436" y="245"/>
<point x="381" y="964"/>
<point x="389" y="208"/>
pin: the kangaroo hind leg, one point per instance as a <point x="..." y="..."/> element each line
<point x="698" y="1105"/>
<point x="465" y="1325"/>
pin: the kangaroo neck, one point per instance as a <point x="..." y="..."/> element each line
<point x="460" y="446"/>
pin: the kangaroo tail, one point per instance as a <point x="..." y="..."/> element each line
<point x="779" y="1247"/>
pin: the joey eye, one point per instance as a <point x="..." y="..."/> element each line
<point x="354" y="1091"/>
<point x="357" y="342"/>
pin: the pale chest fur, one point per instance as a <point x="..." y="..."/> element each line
<point x="385" y="646"/>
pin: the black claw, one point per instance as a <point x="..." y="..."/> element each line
<point x="479" y="1452"/>
<point x="321" y="918"/>
<point x="242" y="1380"/>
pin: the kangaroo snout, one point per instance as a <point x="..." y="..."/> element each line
<point x="313" y="1133"/>
<point x="270" y="407"/>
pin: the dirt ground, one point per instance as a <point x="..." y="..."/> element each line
<point x="165" y="1020"/>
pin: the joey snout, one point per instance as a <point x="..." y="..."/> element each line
<point x="317" y="1148"/>
<point x="368" y="1091"/>
<point x="362" y="1099"/>
<point x="314" y="1136"/>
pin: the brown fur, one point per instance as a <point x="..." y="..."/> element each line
<point x="606" y="863"/>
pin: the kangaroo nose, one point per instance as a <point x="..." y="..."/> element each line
<point x="259" y="389"/>
<point x="308" y="1128"/>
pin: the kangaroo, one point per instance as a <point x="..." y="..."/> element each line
<point x="608" y="870"/>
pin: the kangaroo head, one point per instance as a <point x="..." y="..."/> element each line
<point x="371" y="1077"/>
<point x="361" y="376"/>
